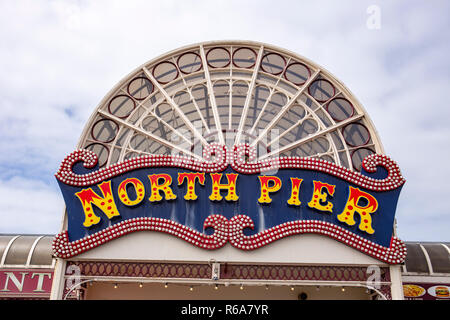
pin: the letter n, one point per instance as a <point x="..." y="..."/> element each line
<point x="106" y="203"/>
<point x="15" y="281"/>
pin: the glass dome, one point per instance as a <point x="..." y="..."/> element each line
<point x="231" y="92"/>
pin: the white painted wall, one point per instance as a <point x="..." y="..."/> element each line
<point x="299" y="249"/>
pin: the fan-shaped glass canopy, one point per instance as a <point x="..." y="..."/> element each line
<point x="231" y="92"/>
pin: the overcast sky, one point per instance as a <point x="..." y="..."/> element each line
<point x="59" y="58"/>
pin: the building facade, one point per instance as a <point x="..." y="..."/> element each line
<point x="229" y="170"/>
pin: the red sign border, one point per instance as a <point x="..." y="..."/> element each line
<point x="230" y="230"/>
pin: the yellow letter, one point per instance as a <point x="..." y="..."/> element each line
<point x="295" y="191"/>
<point x="138" y="187"/>
<point x="265" y="189"/>
<point x="319" y="196"/>
<point x="164" y="187"/>
<point x="106" y="204"/>
<point x="352" y="206"/>
<point x="217" y="186"/>
<point x="191" y="176"/>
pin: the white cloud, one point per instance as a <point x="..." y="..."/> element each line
<point x="30" y="206"/>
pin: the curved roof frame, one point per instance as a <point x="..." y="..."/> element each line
<point x="231" y="92"/>
<point x="26" y="251"/>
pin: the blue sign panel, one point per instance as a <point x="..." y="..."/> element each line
<point x="249" y="204"/>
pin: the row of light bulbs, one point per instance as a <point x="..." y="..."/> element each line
<point x="216" y="287"/>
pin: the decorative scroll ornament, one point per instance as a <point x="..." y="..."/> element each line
<point x="241" y="159"/>
<point x="223" y="158"/>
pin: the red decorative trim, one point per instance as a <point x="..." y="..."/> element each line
<point x="353" y="153"/>
<point x="66" y="175"/>
<point x="241" y="159"/>
<point x="229" y="231"/>
<point x="237" y="160"/>
<point x="370" y="163"/>
<point x="228" y="271"/>
<point x="299" y="272"/>
<point x="140" y="269"/>
<point x="103" y="146"/>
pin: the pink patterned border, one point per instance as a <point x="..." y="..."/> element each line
<point x="236" y="159"/>
<point x="241" y="159"/>
<point x="229" y="231"/>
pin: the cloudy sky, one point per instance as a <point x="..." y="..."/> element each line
<point x="59" y="58"/>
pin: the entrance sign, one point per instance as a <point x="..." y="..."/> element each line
<point x="232" y="198"/>
<point x="34" y="283"/>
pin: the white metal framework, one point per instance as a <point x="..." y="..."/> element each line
<point x="231" y="92"/>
